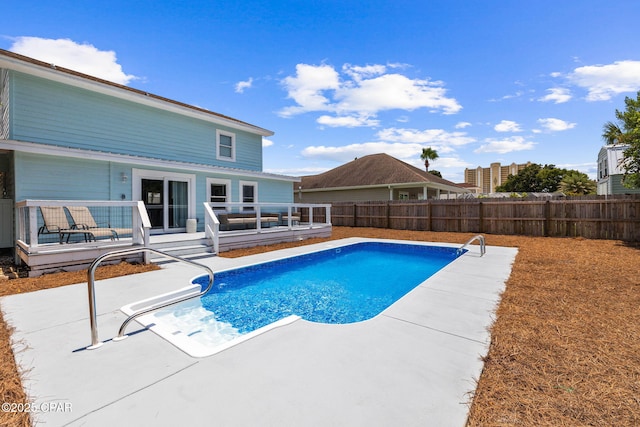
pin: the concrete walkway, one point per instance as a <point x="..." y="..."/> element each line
<point x="414" y="365"/>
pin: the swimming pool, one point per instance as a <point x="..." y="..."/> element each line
<point x="345" y="284"/>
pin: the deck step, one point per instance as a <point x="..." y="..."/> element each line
<point x="157" y="259"/>
<point x="189" y="249"/>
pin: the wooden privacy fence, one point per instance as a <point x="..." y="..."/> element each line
<point x="589" y="217"/>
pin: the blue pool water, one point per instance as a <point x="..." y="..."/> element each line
<point x="341" y="285"/>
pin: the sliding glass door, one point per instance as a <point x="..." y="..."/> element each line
<point x="153" y="198"/>
<point x="178" y="208"/>
<point x="167" y="198"/>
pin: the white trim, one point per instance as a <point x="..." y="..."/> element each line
<point x="231" y="135"/>
<point x="225" y="182"/>
<point x="253" y="184"/>
<point x="190" y="179"/>
<point x="78" y="153"/>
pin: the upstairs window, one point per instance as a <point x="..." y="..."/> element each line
<point x="225" y="146"/>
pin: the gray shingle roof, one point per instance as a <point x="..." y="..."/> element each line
<point x="375" y="169"/>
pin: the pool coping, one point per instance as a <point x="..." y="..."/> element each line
<point x="180" y="339"/>
<point x="415" y="363"/>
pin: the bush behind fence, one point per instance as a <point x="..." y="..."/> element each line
<point x="593" y="217"/>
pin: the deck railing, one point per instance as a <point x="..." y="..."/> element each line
<point x="46" y="224"/>
<point x="290" y="215"/>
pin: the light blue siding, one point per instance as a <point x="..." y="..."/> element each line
<point x="53" y="113"/>
<point x="60" y="178"/>
<point x="63" y="178"/>
<point x="275" y="191"/>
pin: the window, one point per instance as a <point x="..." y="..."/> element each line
<point x="225" y="146"/>
<point x="218" y="191"/>
<point x="248" y="193"/>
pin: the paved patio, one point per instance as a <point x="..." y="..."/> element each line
<point x="413" y="365"/>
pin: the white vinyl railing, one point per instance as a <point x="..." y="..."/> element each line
<point x="290" y="215"/>
<point x="42" y="223"/>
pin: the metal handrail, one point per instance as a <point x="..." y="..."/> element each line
<point x="95" y="342"/>
<point x="479" y="238"/>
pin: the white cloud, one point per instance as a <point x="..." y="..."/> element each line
<point x="394" y="91"/>
<point x="462" y="125"/>
<point x="347" y="121"/>
<point x="361" y="91"/>
<point x="404" y="144"/>
<point x="506" y="145"/>
<point x="266" y="142"/>
<point x="590" y="168"/>
<point x="84" y="58"/>
<point x="558" y="95"/>
<point x="241" y="86"/>
<point x="605" y="81"/>
<point x="507" y="126"/>
<point x="555" y="125"/>
<point x="441" y="140"/>
<point x="359" y="72"/>
<point x="307" y="88"/>
<point x="517" y="94"/>
<point x="450" y="162"/>
<point x="347" y="153"/>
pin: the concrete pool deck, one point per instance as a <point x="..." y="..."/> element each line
<point x="413" y="365"/>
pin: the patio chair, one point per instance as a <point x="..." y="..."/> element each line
<point x="55" y="222"/>
<point x="83" y="220"/>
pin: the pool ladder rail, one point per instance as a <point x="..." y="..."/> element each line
<point x="480" y="239"/>
<point x="95" y="342"/>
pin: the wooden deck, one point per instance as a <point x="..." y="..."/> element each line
<point x="55" y="257"/>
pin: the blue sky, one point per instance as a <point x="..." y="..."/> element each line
<point x="480" y="82"/>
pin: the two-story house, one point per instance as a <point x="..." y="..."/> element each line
<point x="65" y="135"/>
<point x="611" y="171"/>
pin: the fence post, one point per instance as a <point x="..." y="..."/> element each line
<point x="355" y="216"/>
<point x="547" y="218"/>
<point x="480" y="218"/>
<point x="388" y="208"/>
<point x="429" y="212"/>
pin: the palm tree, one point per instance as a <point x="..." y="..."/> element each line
<point x="577" y="184"/>
<point x="612" y="134"/>
<point x="428" y="154"/>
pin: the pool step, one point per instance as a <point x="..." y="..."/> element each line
<point x="190" y="248"/>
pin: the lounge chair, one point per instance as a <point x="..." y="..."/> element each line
<point x="55" y="222"/>
<point x="83" y="220"/>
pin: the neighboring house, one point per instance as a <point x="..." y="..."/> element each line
<point x="610" y="171"/>
<point x="473" y="188"/>
<point x="373" y="177"/>
<point x="69" y="136"/>
<point x="488" y="179"/>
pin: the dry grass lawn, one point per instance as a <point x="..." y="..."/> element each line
<point x="565" y="348"/>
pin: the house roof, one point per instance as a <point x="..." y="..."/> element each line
<point x="43" y="69"/>
<point x="374" y="170"/>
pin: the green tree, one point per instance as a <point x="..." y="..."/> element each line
<point x="577" y="183"/>
<point x="534" y="179"/>
<point x="428" y="154"/>
<point x="436" y="173"/>
<point x="627" y="132"/>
